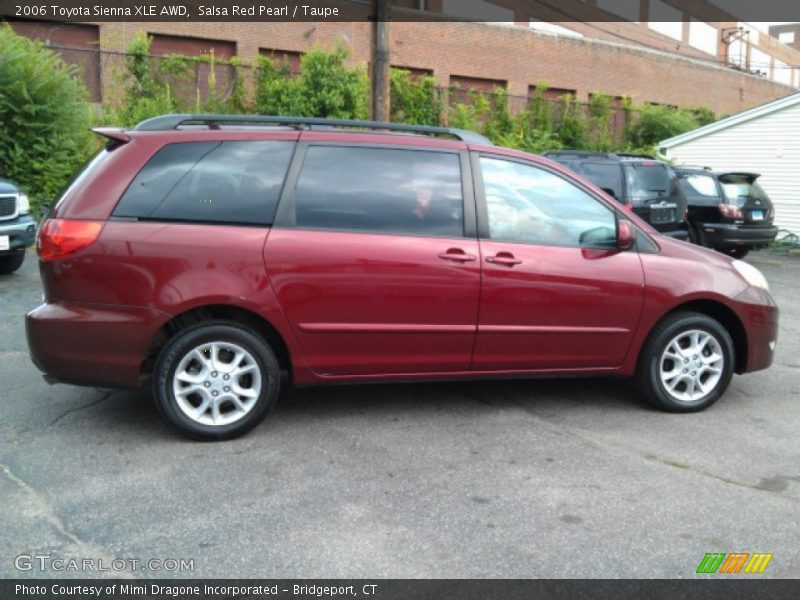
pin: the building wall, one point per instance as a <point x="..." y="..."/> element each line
<point x="769" y="145"/>
<point x="516" y="55"/>
<point x="793" y="29"/>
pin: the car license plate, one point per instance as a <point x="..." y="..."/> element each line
<point x="5" y="243"/>
<point x="662" y="214"/>
<point x="757" y="215"/>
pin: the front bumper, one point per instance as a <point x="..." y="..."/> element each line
<point x="95" y="345"/>
<point x="730" y="235"/>
<point x="759" y="314"/>
<point x="21" y="232"/>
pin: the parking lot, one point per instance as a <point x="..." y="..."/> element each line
<point x="543" y="478"/>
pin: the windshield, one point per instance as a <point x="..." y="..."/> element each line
<point x="738" y="190"/>
<point x="648" y="180"/>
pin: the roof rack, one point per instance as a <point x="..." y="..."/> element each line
<point x="166" y="122"/>
<point x="693" y="167"/>
<point x="586" y="153"/>
<point x="633" y="155"/>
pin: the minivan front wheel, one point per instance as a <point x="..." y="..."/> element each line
<point x="687" y="363"/>
<point x="216" y="380"/>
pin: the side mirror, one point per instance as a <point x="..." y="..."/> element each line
<point x="626" y="235"/>
<point x="609" y="191"/>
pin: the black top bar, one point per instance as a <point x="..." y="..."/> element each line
<point x="590" y="154"/>
<point x="166" y="122"/>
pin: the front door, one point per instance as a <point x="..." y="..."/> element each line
<point x="556" y="293"/>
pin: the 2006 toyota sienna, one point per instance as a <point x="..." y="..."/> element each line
<point x="218" y="258"/>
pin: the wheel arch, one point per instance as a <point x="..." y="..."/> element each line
<point x="236" y="314"/>
<point x="720" y="313"/>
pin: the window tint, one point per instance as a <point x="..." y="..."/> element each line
<point x="603" y="175"/>
<point x="224" y="182"/>
<point x="698" y="185"/>
<point x="380" y="190"/>
<point x="649" y="180"/>
<point x="531" y="205"/>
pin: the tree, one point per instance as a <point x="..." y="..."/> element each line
<point x="44" y="118"/>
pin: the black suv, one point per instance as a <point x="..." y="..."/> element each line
<point x="646" y="185"/>
<point x="727" y="211"/>
<point x="17" y="227"/>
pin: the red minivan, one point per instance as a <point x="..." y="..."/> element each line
<point x="219" y="258"/>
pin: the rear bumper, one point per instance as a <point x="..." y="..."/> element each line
<point x="21" y="232"/>
<point x="759" y="313"/>
<point x="728" y="235"/>
<point x="93" y="345"/>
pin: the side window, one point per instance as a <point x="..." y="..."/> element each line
<point x="220" y="182"/>
<point x="531" y="205"/>
<point x="380" y="190"/>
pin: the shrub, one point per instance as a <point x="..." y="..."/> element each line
<point x="572" y="127"/>
<point x="44" y="118"/>
<point x="416" y="102"/>
<point x="146" y="94"/>
<point x="326" y="87"/>
<point x="171" y="83"/>
<point x="601" y="123"/>
<point x="657" y="123"/>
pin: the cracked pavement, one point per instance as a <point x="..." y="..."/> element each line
<point x="545" y="478"/>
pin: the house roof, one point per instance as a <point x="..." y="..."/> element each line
<point x="748" y="115"/>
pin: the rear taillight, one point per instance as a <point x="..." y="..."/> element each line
<point x="61" y="237"/>
<point x="629" y="207"/>
<point x="731" y="212"/>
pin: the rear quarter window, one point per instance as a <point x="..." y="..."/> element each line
<point x="213" y="182"/>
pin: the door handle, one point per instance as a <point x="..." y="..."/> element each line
<point x="457" y="255"/>
<point x="503" y="258"/>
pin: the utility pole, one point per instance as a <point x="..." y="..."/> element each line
<point x="379" y="100"/>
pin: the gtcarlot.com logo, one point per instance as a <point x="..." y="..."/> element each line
<point x="45" y="562"/>
<point x="734" y="562"/>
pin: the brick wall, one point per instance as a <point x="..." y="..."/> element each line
<point x="516" y="55"/>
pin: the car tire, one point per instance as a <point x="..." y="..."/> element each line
<point x="737" y="252"/>
<point x="11" y="262"/>
<point x="686" y="363"/>
<point x="696" y="236"/>
<point x="216" y="380"/>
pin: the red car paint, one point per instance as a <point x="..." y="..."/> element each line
<point x="367" y="307"/>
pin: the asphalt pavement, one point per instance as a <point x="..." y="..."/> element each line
<point x="512" y="479"/>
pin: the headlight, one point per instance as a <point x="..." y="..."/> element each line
<point x="751" y="275"/>
<point x="23" y="204"/>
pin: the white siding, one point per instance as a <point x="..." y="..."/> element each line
<point x="769" y="145"/>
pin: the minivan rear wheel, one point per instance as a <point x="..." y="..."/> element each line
<point x="216" y="380"/>
<point x="687" y="363"/>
